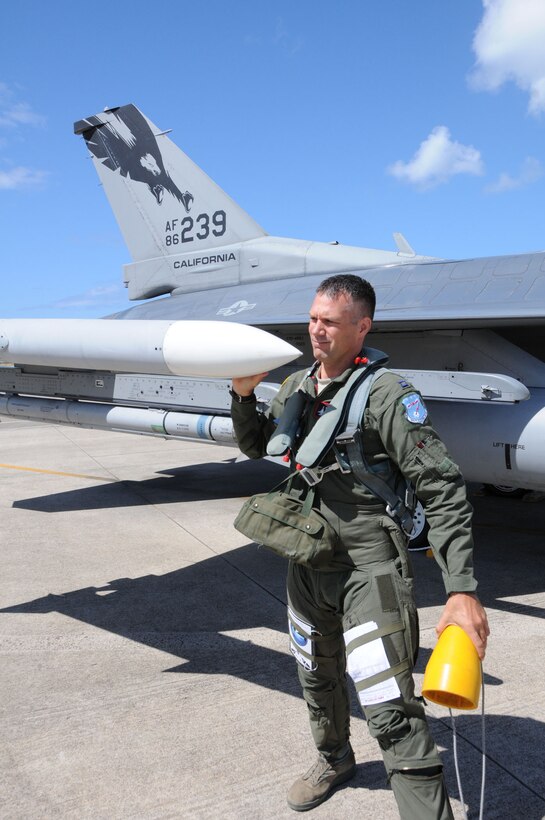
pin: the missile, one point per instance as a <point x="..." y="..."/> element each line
<point x="148" y="422"/>
<point x="180" y="348"/>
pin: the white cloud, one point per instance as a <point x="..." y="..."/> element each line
<point x="532" y="170"/>
<point x="21" y="178"/>
<point x="509" y="46"/>
<point x="14" y="113"/>
<point x="437" y="160"/>
<point x="287" y="41"/>
<point x="19" y="114"/>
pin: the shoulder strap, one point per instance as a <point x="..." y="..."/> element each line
<point x="359" y="401"/>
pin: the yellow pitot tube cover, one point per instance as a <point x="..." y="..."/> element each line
<point x="453" y="674"/>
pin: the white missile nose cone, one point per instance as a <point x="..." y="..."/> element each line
<point x="223" y="350"/>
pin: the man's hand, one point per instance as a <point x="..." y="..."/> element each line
<point x="244" y="386"/>
<point x="465" y="609"/>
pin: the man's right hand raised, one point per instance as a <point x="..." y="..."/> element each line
<point x="245" y="385"/>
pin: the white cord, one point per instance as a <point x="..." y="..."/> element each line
<point x="483" y="765"/>
<point x="455" y="751"/>
<point x="483" y="744"/>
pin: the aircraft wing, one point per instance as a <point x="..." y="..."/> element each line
<point x="492" y="291"/>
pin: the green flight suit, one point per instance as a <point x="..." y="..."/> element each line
<point x="365" y="592"/>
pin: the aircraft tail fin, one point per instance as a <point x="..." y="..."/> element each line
<point x="164" y="204"/>
<point x="402" y="245"/>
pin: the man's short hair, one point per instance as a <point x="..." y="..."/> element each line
<point x="348" y="284"/>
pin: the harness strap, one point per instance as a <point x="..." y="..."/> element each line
<point x="396" y="507"/>
<point x="359" y="402"/>
<point x="380" y="632"/>
<point x="380" y="677"/>
<point x="353" y="459"/>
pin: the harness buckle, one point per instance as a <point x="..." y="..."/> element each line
<point x="392" y="511"/>
<point x="410" y="498"/>
<point x="343" y="462"/>
<point x="401" y="516"/>
<point x="345" y="438"/>
<point x="313" y="475"/>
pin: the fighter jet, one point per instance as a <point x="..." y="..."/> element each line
<point x="468" y="333"/>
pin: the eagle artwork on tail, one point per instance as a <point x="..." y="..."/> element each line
<point x="121" y="138"/>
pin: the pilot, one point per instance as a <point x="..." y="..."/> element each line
<point x="365" y="589"/>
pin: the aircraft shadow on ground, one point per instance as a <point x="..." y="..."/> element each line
<point x="196" y="482"/>
<point x="508" y="533"/>
<point x="187" y="612"/>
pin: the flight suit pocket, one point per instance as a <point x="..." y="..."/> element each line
<point x="406" y="642"/>
<point x="399" y="583"/>
<point x="432" y="456"/>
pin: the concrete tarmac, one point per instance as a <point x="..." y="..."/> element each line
<point x="144" y="665"/>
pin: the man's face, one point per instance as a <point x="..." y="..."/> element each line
<point x="337" y="330"/>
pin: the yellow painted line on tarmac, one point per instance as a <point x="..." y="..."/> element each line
<point x="57" y="472"/>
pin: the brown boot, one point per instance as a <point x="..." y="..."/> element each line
<point x="317" y="784"/>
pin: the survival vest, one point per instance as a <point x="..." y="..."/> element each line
<point x="339" y="429"/>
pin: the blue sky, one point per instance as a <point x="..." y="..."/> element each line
<point x="328" y="121"/>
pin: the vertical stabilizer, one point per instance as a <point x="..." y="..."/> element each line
<point x="163" y="202"/>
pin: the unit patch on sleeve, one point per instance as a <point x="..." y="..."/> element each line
<point x="415" y="409"/>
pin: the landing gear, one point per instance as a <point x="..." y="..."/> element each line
<point x="418" y="539"/>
